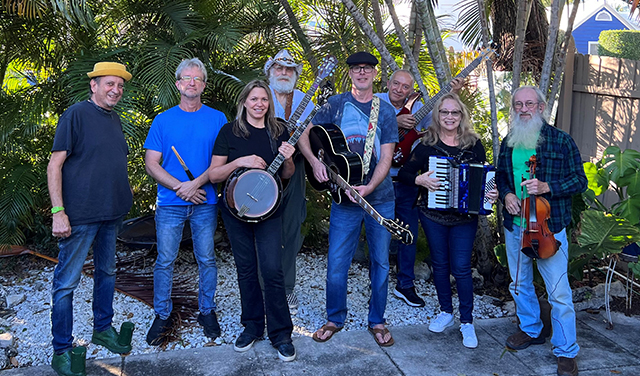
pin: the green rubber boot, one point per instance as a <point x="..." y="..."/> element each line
<point x="109" y="339"/>
<point x="62" y="365"/>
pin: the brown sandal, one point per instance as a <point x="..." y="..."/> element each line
<point x="382" y="332"/>
<point x="326" y="328"/>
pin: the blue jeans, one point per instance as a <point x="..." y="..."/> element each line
<point x="451" y="248"/>
<point x="554" y="273"/>
<point x="170" y="222"/>
<point x="259" y="245"/>
<point x="344" y="233"/>
<point x="408" y="214"/>
<point x="73" y="253"/>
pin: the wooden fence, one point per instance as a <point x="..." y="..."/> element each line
<point x="599" y="103"/>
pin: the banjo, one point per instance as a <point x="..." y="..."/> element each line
<point x="253" y="195"/>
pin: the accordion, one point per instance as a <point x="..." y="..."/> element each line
<point x="462" y="186"/>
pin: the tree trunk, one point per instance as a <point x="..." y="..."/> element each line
<point x="415" y="32"/>
<point x="300" y="35"/>
<point x="495" y="140"/>
<point x="377" y="17"/>
<point x="563" y="55"/>
<point x="522" y="18"/>
<point x="368" y="30"/>
<point x="434" y="41"/>
<point x="413" y="65"/>
<point x="550" y="53"/>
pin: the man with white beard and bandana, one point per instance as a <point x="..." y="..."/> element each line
<point x="283" y="72"/>
<point x="558" y="176"/>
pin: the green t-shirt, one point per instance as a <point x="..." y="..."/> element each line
<point x="520" y="157"/>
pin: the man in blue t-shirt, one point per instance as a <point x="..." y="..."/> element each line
<point x="90" y="194"/>
<point x="179" y="151"/>
<point x="351" y="111"/>
<point x="283" y="73"/>
<point x="400" y="85"/>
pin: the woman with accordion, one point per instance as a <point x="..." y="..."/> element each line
<point x="450" y="232"/>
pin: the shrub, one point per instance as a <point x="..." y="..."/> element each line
<point x="620" y="43"/>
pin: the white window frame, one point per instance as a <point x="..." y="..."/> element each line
<point x="604" y="16"/>
<point x="593" y="45"/>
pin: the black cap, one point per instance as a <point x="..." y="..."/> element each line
<point x="362" y="57"/>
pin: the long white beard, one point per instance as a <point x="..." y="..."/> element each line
<point x="280" y="85"/>
<point x="525" y="133"/>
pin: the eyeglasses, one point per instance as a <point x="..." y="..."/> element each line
<point x="189" y="78"/>
<point x="530" y="105"/>
<point x="455" y="114"/>
<point x="361" y="68"/>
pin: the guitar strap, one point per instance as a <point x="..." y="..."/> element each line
<point x="287" y="107"/>
<point x="371" y="134"/>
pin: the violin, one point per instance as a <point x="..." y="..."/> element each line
<point x="537" y="241"/>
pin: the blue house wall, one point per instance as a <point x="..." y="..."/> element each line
<point x="589" y="30"/>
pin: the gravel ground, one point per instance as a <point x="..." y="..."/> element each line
<point x="31" y="324"/>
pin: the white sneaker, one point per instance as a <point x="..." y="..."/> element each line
<point x="441" y="322"/>
<point x="469" y="338"/>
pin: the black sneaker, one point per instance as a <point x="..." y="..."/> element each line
<point x="244" y="342"/>
<point x="286" y="352"/>
<point x="158" y="331"/>
<point x="210" y="325"/>
<point x="409" y="296"/>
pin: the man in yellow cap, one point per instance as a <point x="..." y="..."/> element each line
<point x="90" y="194"/>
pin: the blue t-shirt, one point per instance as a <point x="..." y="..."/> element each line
<point x="193" y="134"/>
<point x="353" y="119"/>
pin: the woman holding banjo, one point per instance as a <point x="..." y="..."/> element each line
<point x="250" y="141"/>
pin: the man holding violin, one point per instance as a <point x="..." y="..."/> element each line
<point x="533" y="144"/>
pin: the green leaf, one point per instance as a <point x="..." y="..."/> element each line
<point x="635" y="267"/>
<point x="629" y="209"/>
<point x="501" y="254"/>
<point x="597" y="177"/>
<point x="620" y="164"/>
<point x="603" y="234"/>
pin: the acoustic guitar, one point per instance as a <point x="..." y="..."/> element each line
<point x="344" y="169"/>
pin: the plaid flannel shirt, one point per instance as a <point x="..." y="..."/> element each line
<point x="558" y="164"/>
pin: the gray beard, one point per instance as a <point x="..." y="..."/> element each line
<point x="281" y="86"/>
<point x="525" y="134"/>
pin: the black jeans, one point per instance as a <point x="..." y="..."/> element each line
<point x="260" y="245"/>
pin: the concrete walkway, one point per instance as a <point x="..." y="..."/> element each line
<point x="416" y="352"/>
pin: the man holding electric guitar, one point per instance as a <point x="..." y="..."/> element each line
<point x="407" y="103"/>
<point x="283" y="73"/>
<point x="370" y="131"/>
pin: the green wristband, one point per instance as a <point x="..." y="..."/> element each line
<point x="56" y="209"/>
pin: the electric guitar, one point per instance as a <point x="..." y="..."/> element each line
<point x="344" y="169"/>
<point x="253" y="194"/>
<point x="408" y="136"/>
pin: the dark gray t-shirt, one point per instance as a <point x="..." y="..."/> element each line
<point x="95" y="185"/>
<point x="353" y="119"/>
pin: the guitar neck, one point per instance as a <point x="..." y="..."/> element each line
<point x="293" y="120"/>
<point x="424" y="110"/>
<point x="335" y="177"/>
<point x="277" y="162"/>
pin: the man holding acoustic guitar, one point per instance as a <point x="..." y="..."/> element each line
<point x="370" y="131"/>
<point x="283" y="74"/>
<point x="535" y="226"/>
<point x="407" y="103"/>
